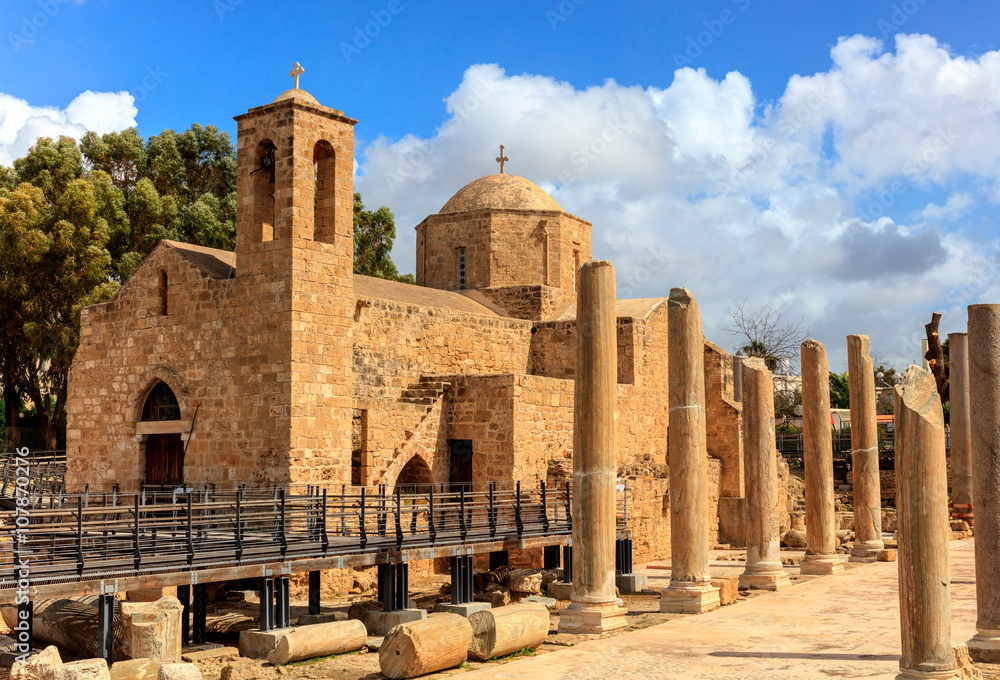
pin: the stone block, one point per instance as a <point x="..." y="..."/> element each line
<point x="152" y="630"/>
<point x="257" y="644"/>
<point x="33" y="667"/>
<point x="496" y="598"/>
<point x="591" y="621"/>
<point x="966" y="669"/>
<point x="630" y="584"/>
<point x="179" y="671"/>
<point x="886" y="555"/>
<point x="559" y="590"/>
<point x="462" y="609"/>
<point x="241" y="669"/>
<point x="88" y="669"/>
<point x="729" y="588"/>
<point x="689" y="598"/>
<point x="794" y="539"/>
<point x="379" y="623"/>
<point x="821" y="565"/>
<point x="136" y="669"/>
<point x="548" y="602"/>
<point x="525" y="581"/>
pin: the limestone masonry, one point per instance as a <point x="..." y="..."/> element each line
<point x="276" y="364"/>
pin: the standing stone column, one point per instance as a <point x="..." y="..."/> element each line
<point x="984" y="412"/>
<point x="738" y="360"/>
<point x="864" y="456"/>
<point x="924" y="532"/>
<point x="961" y="434"/>
<point x="594" y="607"/>
<point x="763" y="567"/>
<point x="817" y="440"/>
<point x="690" y="590"/>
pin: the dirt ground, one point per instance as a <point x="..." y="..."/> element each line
<point x="226" y="619"/>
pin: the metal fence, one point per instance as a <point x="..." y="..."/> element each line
<point x="87" y="536"/>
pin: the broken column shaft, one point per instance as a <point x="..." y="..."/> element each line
<point x="594" y="607"/>
<point x="924" y="533"/>
<point x="961" y="434"/>
<point x="763" y="567"/>
<point x="817" y="442"/>
<point x="864" y="455"/>
<point x="984" y="413"/>
<point x="690" y="590"/>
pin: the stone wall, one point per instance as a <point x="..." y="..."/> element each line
<point x="649" y="514"/>
<point x="529" y="302"/>
<point x="724" y="419"/>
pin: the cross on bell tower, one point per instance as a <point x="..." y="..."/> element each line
<point x="501" y="159"/>
<point x="296" y="71"/>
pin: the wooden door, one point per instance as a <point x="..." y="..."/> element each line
<point x="165" y="459"/>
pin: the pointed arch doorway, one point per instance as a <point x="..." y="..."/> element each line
<point x="164" y="447"/>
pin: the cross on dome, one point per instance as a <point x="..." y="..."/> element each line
<point x="501" y="159"/>
<point x="296" y="71"/>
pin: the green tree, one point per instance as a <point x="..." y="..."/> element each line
<point x="374" y="234"/>
<point x="840" y="394"/>
<point x="56" y="263"/>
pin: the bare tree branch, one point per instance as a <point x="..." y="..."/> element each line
<point x="761" y="332"/>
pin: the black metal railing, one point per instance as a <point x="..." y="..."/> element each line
<point x="86" y="536"/>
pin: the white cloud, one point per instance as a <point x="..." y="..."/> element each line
<point x="699" y="184"/>
<point x="22" y="124"/>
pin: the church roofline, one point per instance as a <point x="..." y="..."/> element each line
<point x="296" y="103"/>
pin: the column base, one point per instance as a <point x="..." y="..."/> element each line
<point x="867" y="551"/>
<point x="821" y="565"/>
<point x="770" y="578"/>
<point x="688" y="597"/>
<point x="984" y="647"/>
<point x="910" y="674"/>
<point x="591" y="619"/>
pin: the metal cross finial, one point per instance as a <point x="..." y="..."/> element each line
<point x="501" y="159"/>
<point x="296" y="71"/>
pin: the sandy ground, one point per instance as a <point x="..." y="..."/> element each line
<point x="840" y="626"/>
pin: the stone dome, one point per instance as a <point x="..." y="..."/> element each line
<point x="500" y="191"/>
<point x="301" y="95"/>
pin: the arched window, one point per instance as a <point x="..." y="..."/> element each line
<point x="263" y="191"/>
<point x="161" y="404"/>
<point x="163" y="293"/>
<point x="324" y="159"/>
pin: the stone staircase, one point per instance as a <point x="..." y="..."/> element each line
<point x="425" y="392"/>
<point x="425" y="396"/>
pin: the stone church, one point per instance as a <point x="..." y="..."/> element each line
<point x="275" y="363"/>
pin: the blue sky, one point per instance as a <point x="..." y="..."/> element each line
<point x="792" y="153"/>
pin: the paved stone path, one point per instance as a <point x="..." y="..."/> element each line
<point x="844" y="625"/>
